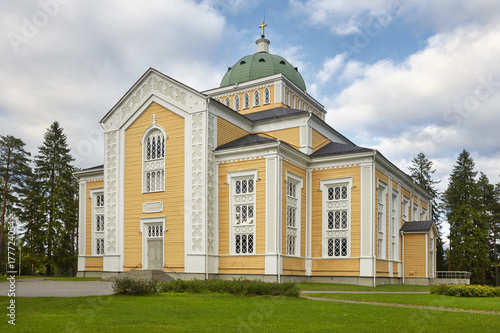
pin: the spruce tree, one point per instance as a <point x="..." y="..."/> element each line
<point x="14" y="167"/>
<point x="54" y="171"/>
<point x="484" y="229"/>
<point x="461" y="202"/>
<point x="422" y="171"/>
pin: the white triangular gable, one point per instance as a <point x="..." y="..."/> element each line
<point x="154" y="84"/>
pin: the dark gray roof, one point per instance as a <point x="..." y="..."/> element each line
<point x="417" y="226"/>
<point x="334" y="148"/>
<point x="94" y="168"/>
<point x="247" y="140"/>
<point x="280" y="112"/>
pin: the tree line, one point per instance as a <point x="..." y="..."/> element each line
<point x="471" y="206"/>
<point x="40" y="196"/>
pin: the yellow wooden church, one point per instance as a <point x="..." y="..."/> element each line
<point x="247" y="180"/>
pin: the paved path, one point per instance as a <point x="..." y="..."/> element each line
<point x="44" y="288"/>
<point x="438" y="308"/>
<point x="361" y="292"/>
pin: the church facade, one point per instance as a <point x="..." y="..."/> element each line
<point x="247" y="180"/>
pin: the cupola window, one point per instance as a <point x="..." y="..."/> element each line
<point x="237" y="103"/>
<point x="246" y="101"/>
<point x="256" y="98"/>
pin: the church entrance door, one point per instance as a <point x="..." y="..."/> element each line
<point x="155" y="254"/>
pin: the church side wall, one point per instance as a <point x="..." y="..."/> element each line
<point x="242" y="264"/>
<point x="339" y="266"/>
<point x="318" y="140"/>
<point x="289" y="135"/>
<point x="91" y="263"/>
<point x="227" y="132"/>
<point x="172" y="197"/>
<point x="414" y="255"/>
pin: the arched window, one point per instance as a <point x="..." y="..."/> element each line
<point x="256" y="98"/>
<point x="227" y="102"/>
<point x="154" y="161"/>
<point x="236" y="103"/>
<point x="297" y="103"/>
<point x="267" y="96"/>
<point x="246" y="101"/>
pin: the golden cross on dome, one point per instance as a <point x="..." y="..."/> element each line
<point x="263" y="25"/>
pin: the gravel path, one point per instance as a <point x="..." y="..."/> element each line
<point x="403" y="305"/>
<point x="44" y="288"/>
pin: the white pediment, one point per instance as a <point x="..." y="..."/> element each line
<point x="154" y="83"/>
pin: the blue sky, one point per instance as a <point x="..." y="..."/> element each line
<point x="400" y="76"/>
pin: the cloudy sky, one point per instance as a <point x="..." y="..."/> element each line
<point x="400" y="76"/>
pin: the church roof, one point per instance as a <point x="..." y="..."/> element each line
<point x="417" y="226"/>
<point x="275" y="113"/>
<point x="334" y="148"/>
<point x="247" y="140"/>
<point x="259" y="65"/>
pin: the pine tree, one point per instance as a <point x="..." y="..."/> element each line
<point x="14" y="167"/>
<point x="484" y="228"/>
<point x="422" y="171"/>
<point x="54" y="171"/>
<point x="462" y="203"/>
<point x="33" y="220"/>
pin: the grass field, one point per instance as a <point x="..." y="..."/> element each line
<point x="194" y="313"/>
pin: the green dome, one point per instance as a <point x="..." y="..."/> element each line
<point x="261" y="64"/>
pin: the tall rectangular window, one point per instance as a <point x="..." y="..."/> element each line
<point x="394" y="225"/>
<point x="381" y="220"/>
<point x="98" y="223"/>
<point x="336" y="217"/>
<point x="293" y="197"/>
<point x="242" y="212"/>
<point x="406" y="207"/>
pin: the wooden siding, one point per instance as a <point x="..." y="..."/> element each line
<point x="318" y="140"/>
<point x="88" y="214"/>
<point x="382" y="268"/>
<point x="336" y="266"/>
<point x="395" y="270"/>
<point x="242" y="265"/>
<point x="93" y="264"/>
<point x="414" y="261"/>
<point x="228" y="264"/>
<point x="294" y="266"/>
<point x="289" y="135"/>
<point x="227" y="132"/>
<point x="252" y="108"/>
<point x="172" y="197"/>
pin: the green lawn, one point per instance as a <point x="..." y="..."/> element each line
<point x="192" y="313"/>
<point x="469" y="303"/>
<point x="350" y="287"/>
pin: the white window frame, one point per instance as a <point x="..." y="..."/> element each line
<point x="246" y="101"/>
<point x="406" y="208"/>
<point x="153" y="165"/>
<point x="267" y="95"/>
<point x="97" y="212"/>
<point x="336" y="206"/>
<point x="423" y="214"/>
<point x="395" y="224"/>
<point x="381" y="220"/>
<point x="293" y="202"/>
<point x="227" y="102"/>
<point x="288" y="97"/>
<point x="236" y="102"/>
<point x="431" y="254"/>
<point x="236" y="200"/>
<point x="256" y="98"/>
<point x="415" y="212"/>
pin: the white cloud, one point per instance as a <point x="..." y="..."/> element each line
<point x="330" y="67"/>
<point x="87" y="55"/>
<point x="440" y="100"/>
